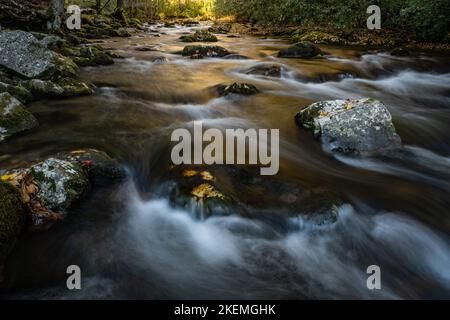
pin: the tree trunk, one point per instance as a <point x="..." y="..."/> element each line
<point x="98" y="5"/>
<point x="57" y="9"/>
<point x="119" y="5"/>
<point x="118" y="13"/>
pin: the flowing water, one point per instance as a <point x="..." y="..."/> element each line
<point x="130" y="242"/>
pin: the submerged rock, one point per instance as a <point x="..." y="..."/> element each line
<point x="206" y="51"/>
<point x="400" y="52"/>
<point x="265" y="69"/>
<point x="195" y="189"/>
<point x="23" y="54"/>
<point x="303" y="49"/>
<point x="14" y="117"/>
<point x="160" y="60"/>
<point x="353" y="127"/>
<point x="236" y="57"/>
<point x="146" y="48"/>
<point x="200" y="36"/>
<point x="60" y="183"/>
<point x="12" y="218"/>
<point x="237" y="88"/>
<point x="222" y="190"/>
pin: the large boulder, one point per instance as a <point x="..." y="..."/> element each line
<point x="14" y="117"/>
<point x="12" y="217"/>
<point x="206" y="51"/>
<point x="303" y="49"/>
<point x="60" y="183"/>
<point x="23" y="54"/>
<point x="352" y="127"/>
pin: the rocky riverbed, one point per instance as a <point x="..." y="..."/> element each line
<point x="87" y="179"/>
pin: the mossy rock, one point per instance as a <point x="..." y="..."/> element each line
<point x="73" y="87"/>
<point x="200" y="36"/>
<point x="12" y="218"/>
<point x="90" y="56"/>
<point x="237" y="88"/>
<point x="318" y="37"/>
<point x="61" y="183"/>
<point x="206" y="51"/>
<point x="95" y="162"/>
<point x="194" y="189"/>
<point x="63" y="67"/>
<point x="17" y="91"/>
<point x="66" y="87"/>
<point x="14" y="117"/>
<point x="42" y="88"/>
<point x="300" y="50"/>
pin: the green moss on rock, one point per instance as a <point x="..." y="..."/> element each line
<point x="12" y="217"/>
<point x="200" y="36"/>
<point x="14" y="117"/>
<point x="318" y="37"/>
<point x="207" y="51"/>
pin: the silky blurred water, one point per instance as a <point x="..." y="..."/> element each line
<point x="130" y="242"/>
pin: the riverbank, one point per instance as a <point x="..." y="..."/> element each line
<point x="403" y="42"/>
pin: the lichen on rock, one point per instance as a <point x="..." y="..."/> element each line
<point x="352" y="127"/>
<point x="60" y="182"/>
<point x="14" y="117"/>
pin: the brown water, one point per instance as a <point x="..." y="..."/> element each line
<point x="130" y="243"/>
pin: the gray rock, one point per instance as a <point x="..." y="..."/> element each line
<point x="304" y="49"/>
<point x="23" y="54"/>
<point x="43" y="88"/>
<point x="60" y="182"/>
<point x="14" y="118"/>
<point x="352" y="127"/>
<point x="66" y="87"/>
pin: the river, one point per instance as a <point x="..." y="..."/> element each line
<point x="131" y="243"/>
